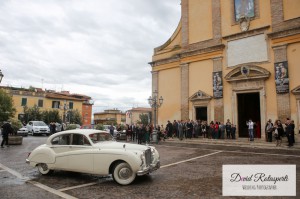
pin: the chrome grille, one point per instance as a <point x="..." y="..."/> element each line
<point x="148" y="157"/>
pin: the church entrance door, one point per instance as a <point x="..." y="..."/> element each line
<point x="248" y="108"/>
<point x="201" y="113"/>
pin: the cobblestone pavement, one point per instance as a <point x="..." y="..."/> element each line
<point x="187" y="171"/>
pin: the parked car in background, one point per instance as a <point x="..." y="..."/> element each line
<point x="94" y="152"/>
<point x="38" y="128"/>
<point x="121" y="135"/>
<point x="22" y="131"/>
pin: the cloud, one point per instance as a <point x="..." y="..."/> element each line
<point x="96" y="48"/>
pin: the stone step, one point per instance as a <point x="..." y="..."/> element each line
<point x="237" y="142"/>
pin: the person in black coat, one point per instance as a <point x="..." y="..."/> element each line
<point x="233" y="130"/>
<point x="52" y="128"/>
<point x="289" y="132"/>
<point x="228" y="129"/>
<point x="6" y="130"/>
<point x="169" y="129"/>
<point x="189" y="129"/>
<point x="293" y="131"/>
<point x="140" y="133"/>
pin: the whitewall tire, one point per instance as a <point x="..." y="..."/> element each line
<point x="44" y="169"/>
<point x="123" y="174"/>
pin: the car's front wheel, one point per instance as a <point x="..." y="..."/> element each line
<point x="123" y="174"/>
<point x="44" y="169"/>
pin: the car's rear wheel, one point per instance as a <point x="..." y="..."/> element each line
<point x="44" y="169"/>
<point x="123" y="174"/>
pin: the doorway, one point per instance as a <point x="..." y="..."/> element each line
<point x="248" y="108"/>
<point x="201" y="113"/>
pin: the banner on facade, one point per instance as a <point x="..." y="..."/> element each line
<point x="217" y="84"/>
<point x="281" y="77"/>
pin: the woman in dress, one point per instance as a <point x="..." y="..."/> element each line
<point x="278" y="132"/>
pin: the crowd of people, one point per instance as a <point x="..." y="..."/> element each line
<point x="214" y="130"/>
<point x="137" y="132"/>
<point x="279" y="130"/>
<point x="189" y="129"/>
<point x="194" y="129"/>
<point x="182" y="130"/>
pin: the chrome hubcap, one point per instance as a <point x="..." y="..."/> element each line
<point x="125" y="173"/>
<point x="44" y="167"/>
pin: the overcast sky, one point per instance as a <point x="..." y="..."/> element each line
<point x="93" y="47"/>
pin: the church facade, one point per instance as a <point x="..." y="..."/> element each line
<point x="231" y="59"/>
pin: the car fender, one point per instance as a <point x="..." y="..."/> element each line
<point x="104" y="159"/>
<point x="42" y="154"/>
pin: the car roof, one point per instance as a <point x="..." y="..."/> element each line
<point x="38" y="122"/>
<point x="85" y="132"/>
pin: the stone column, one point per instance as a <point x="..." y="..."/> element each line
<point x="184" y="91"/>
<point x="216" y="19"/>
<point x="283" y="100"/>
<point x="218" y="103"/>
<point x="154" y="88"/>
<point x="276" y="11"/>
<point x="184" y="23"/>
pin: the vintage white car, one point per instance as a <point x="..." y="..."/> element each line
<point x="94" y="152"/>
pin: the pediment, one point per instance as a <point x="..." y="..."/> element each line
<point x="296" y="91"/>
<point x="249" y="72"/>
<point x="200" y="95"/>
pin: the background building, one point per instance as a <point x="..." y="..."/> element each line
<point x="133" y="115"/>
<point x="111" y="116"/>
<point x="51" y="100"/>
<point x="231" y="59"/>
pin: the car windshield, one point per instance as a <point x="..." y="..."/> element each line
<point x="100" y="137"/>
<point x="39" y="123"/>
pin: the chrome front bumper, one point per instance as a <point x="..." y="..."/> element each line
<point x="149" y="169"/>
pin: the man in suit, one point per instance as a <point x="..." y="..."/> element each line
<point x="6" y="130"/>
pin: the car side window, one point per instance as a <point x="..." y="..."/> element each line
<point x="61" y="140"/>
<point x="80" y="140"/>
<point x="86" y="141"/>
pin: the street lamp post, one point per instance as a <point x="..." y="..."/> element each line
<point x="1" y="76"/>
<point x="65" y="107"/>
<point x="155" y="103"/>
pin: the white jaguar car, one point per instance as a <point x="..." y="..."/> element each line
<point x="94" y="152"/>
